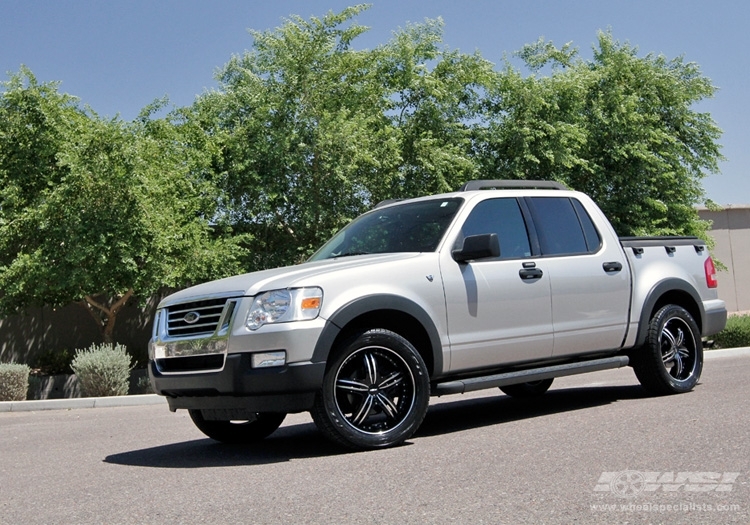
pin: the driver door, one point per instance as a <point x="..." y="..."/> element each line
<point x="499" y="309"/>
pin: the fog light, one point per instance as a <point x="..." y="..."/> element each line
<point x="268" y="359"/>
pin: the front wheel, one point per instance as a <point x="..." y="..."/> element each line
<point x="262" y="425"/>
<point x="375" y="392"/>
<point x="671" y="361"/>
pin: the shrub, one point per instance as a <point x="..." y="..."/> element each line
<point x="53" y="362"/>
<point x="35" y="387"/>
<point x="144" y="386"/>
<point x="102" y="370"/>
<point x="735" y="334"/>
<point x="14" y="382"/>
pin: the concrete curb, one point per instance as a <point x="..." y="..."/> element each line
<point x="153" y="399"/>
<point x="727" y="352"/>
<point x="81" y="402"/>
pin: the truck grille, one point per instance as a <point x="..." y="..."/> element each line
<point x="196" y="318"/>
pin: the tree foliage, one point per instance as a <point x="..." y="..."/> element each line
<point x="306" y="131"/>
<point x="619" y="127"/>
<point x="312" y="132"/>
<point x="96" y="211"/>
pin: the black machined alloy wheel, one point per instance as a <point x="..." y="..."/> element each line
<point x="671" y="362"/>
<point x="374" y="389"/>
<point x="678" y="351"/>
<point x="375" y="392"/>
<point x="238" y="432"/>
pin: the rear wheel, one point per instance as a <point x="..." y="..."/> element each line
<point x="247" y="431"/>
<point x="375" y="392"/>
<point x="671" y="361"/>
<point x="530" y="389"/>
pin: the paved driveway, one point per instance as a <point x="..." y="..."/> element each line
<point x="594" y="449"/>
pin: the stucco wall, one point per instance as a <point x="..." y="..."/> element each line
<point x="731" y="231"/>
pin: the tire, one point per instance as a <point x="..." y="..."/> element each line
<point x="375" y="392"/>
<point x="238" y="432"/>
<point x="530" y="389"/>
<point x="671" y="360"/>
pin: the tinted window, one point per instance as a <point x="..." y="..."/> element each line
<point x="503" y="217"/>
<point x="410" y="227"/>
<point x="559" y="227"/>
<point x="593" y="241"/>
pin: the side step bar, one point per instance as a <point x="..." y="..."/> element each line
<point x="462" y="386"/>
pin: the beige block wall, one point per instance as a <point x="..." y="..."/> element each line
<point x="731" y="231"/>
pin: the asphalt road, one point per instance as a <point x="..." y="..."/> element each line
<point x="594" y="449"/>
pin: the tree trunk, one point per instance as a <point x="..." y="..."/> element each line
<point x="105" y="316"/>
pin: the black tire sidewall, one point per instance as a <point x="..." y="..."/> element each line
<point x="238" y="433"/>
<point x="335" y="422"/>
<point x="530" y="389"/>
<point x="651" y="363"/>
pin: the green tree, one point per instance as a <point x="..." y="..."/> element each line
<point x="300" y="130"/>
<point x="434" y="100"/>
<point x="310" y="132"/>
<point x="620" y="127"/>
<point x="97" y="211"/>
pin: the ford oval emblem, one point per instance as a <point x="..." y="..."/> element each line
<point x="191" y="317"/>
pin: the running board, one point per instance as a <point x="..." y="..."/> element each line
<point x="462" y="386"/>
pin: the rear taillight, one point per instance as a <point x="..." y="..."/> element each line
<point x="710" y="269"/>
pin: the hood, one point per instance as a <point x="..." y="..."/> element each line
<point x="250" y="284"/>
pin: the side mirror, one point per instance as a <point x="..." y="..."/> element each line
<point x="478" y="247"/>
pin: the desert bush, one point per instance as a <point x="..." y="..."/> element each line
<point x="102" y="370"/>
<point x="144" y="386"/>
<point x="735" y="334"/>
<point x="14" y="381"/>
<point x="53" y="362"/>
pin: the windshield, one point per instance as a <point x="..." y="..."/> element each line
<point x="411" y="227"/>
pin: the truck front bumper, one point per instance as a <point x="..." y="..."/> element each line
<point x="288" y="388"/>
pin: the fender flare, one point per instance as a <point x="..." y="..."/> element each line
<point x="656" y="293"/>
<point x="371" y="303"/>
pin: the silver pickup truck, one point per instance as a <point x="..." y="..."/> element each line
<point x="501" y="284"/>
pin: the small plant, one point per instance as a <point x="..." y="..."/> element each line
<point x="735" y="334"/>
<point x="35" y="387"/>
<point x="14" y="381"/>
<point x="53" y="362"/>
<point x="102" y="370"/>
<point x="144" y="386"/>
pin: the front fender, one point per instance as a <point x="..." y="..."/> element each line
<point x="363" y="306"/>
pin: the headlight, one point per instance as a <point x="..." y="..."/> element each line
<point x="282" y="306"/>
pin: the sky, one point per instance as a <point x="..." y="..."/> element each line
<point x="117" y="56"/>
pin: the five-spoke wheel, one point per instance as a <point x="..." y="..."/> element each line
<point x="671" y="361"/>
<point x="375" y="392"/>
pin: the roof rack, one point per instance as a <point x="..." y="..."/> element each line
<point x="512" y="184"/>
<point x="386" y="203"/>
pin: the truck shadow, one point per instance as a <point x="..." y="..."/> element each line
<point x="459" y="415"/>
<point x="287" y="443"/>
<point x="304" y="441"/>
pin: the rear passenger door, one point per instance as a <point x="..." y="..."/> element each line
<point x="589" y="277"/>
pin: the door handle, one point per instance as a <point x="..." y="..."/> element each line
<point x="528" y="274"/>
<point x="611" y="267"/>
